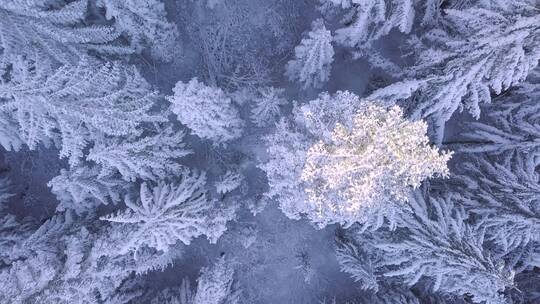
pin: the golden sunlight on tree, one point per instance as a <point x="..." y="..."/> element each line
<point x="376" y="160"/>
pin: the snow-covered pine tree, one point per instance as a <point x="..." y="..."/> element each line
<point x="62" y="30"/>
<point x="345" y="161"/>
<point x="33" y="261"/>
<point x="396" y="294"/>
<point x="432" y="12"/>
<point x="64" y="262"/>
<point x="77" y="105"/>
<point x="267" y="105"/>
<point x="206" y="110"/>
<point x="95" y="270"/>
<point x="367" y="21"/>
<point x="25" y="278"/>
<point x="480" y="51"/>
<point x="145" y="24"/>
<point x="361" y="171"/>
<point x="506" y="196"/>
<point x="313" y="57"/>
<point x="152" y="156"/>
<point x="435" y="243"/>
<point x="44" y="31"/>
<point x="12" y="231"/>
<point x="82" y="189"/>
<point x="215" y="285"/>
<point x="230" y="181"/>
<point x="178" y="295"/>
<point x="500" y="180"/>
<point x="510" y="126"/>
<point x="168" y="213"/>
<point x="288" y="145"/>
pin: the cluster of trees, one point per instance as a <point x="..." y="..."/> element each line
<point x="345" y="160"/>
<point x="136" y="188"/>
<point x="471" y="236"/>
<point x="67" y="84"/>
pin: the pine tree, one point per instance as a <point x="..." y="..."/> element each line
<point x="510" y="125"/>
<point x="168" y="213"/>
<point x="150" y="157"/>
<point x="288" y="145"/>
<point x="506" y="196"/>
<point x="367" y="21"/>
<point x="82" y="189"/>
<point x="77" y="105"/>
<point x="64" y="262"/>
<point x="313" y="57"/>
<point x="479" y="51"/>
<point x="216" y="285"/>
<point x="33" y="261"/>
<point x="396" y="294"/>
<point x="12" y="231"/>
<point x="9" y="133"/>
<point x="350" y="161"/>
<point x="356" y="174"/>
<point x="206" y="110"/>
<point x="267" y="105"/>
<point x="230" y="181"/>
<point x="145" y="24"/>
<point x="435" y="242"/>
<point x="37" y="30"/>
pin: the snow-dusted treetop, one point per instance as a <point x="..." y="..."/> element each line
<point x="505" y="194"/>
<point x="479" y="51"/>
<point x="511" y="124"/>
<point x="145" y="24"/>
<point x="267" y="105"/>
<point x="434" y="244"/>
<point x="38" y="29"/>
<point x="206" y="110"/>
<point x="369" y="20"/>
<point x="168" y="213"/>
<point x="75" y="105"/>
<point x="63" y="30"/>
<point x="288" y="145"/>
<point x="313" y="57"/>
<point x="345" y="161"/>
<point x="151" y="157"/>
<point x="216" y="285"/>
<point x="360" y="169"/>
<point x="80" y="188"/>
